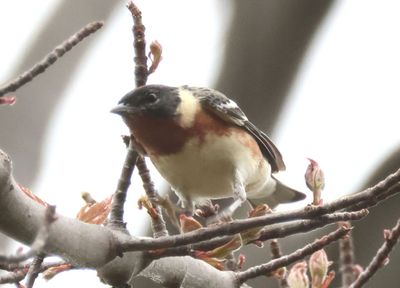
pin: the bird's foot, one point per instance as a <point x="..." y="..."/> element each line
<point x="207" y="209"/>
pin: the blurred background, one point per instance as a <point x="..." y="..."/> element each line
<point x="320" y="77"/>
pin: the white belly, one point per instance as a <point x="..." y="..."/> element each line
<point x="206" y="169"/>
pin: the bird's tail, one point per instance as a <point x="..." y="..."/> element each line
<point x="282" y="194"/>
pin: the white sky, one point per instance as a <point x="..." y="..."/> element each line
<point x="344" y="106"/>
<point x="333" y="116"/>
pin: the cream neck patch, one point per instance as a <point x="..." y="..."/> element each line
<point x="187" y="109"/>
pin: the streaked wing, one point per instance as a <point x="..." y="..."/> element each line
<point x="269" y="149"/>
<point x="229" y="111"/>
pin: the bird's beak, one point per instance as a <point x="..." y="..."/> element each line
<point x="124" y="110"/>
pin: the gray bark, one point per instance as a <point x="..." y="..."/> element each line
<point x="94" y="246"/>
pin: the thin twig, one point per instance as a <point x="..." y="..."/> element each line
<point x="34" y="270"/>
<point x="50" y="58"/>
<point x="36" y="250"/>
<point x="13" y="277"/>
<point x="275" y="231"/>
<point x="272" y="265"/>
<point x="19" y="257"/>
<point x="346" y="251"/>
<point x="117" y="209"/>
<point x="235" y="227"/>
<point x="302" y="226"/>
<point x="139" y="45"/>
<point x="375" y="196"/>
<point x="12" y="266"/>
<point x="381" y="256"/>
<point x="18" y="266"/>
<point x="158" y="224"/>
<point x="141" y="74"/>
<point x="20" y="271"/>
<point x="275" y="249"/>
<point x="276" y="253"/>
<point x="116" y="220"/>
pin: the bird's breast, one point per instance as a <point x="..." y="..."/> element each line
<point x="200" y="161"/>
<point x="205" y="168"/>
<point x="166" y="136"/>
<point x="158" y="136"/>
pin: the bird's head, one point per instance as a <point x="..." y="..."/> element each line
<point x="150" y="100"/>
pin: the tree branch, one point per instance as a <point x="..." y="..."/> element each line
<point x="50" y="58"/>
<point x="13" y="277"/>
<point x="367" y="198"/>
<point x="187" y="272"/>
<point x="391" y="239"/>
<point x="302" y="226"/>
<point x="267" y="233"/>
<point x="238" y="226"/>
<point x="291" y="258"/>
<point x="20" y="271"/>
<point x="141" y="75"/>
<point x="139" y="45"/>
<point x="276" y="252"/>
<point x="39" y="242"/>
<point x="116" y="220"/>
<point x="88" y="245"/>
<point x="346" y="258"/>
<point x="83" y="244"/>
<point x="157" y="222"/>
<point x="34" y="270"/>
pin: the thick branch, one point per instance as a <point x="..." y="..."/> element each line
<point x="83" y="244"/>
<point x="186" y="272"/>
<point x="41" y="239"/>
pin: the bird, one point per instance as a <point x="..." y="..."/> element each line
<point x="204" y="146"/>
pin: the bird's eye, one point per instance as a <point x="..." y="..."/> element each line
<point x="149" y="98"/>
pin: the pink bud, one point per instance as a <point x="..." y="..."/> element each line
<point x="328" y="279"/>
<point x="279" y="273"/>
<point x="155" y="55"/>
<point x="319" y="265"/>
<point x="384" y="262"/>
<point x="357" y="270"/>
<point x="240" y="261"/>
<point x="315" y="180"/>
<point x="297" y="277"/>
<point x="7" y="100"/>
<point x="387" y="234"/>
